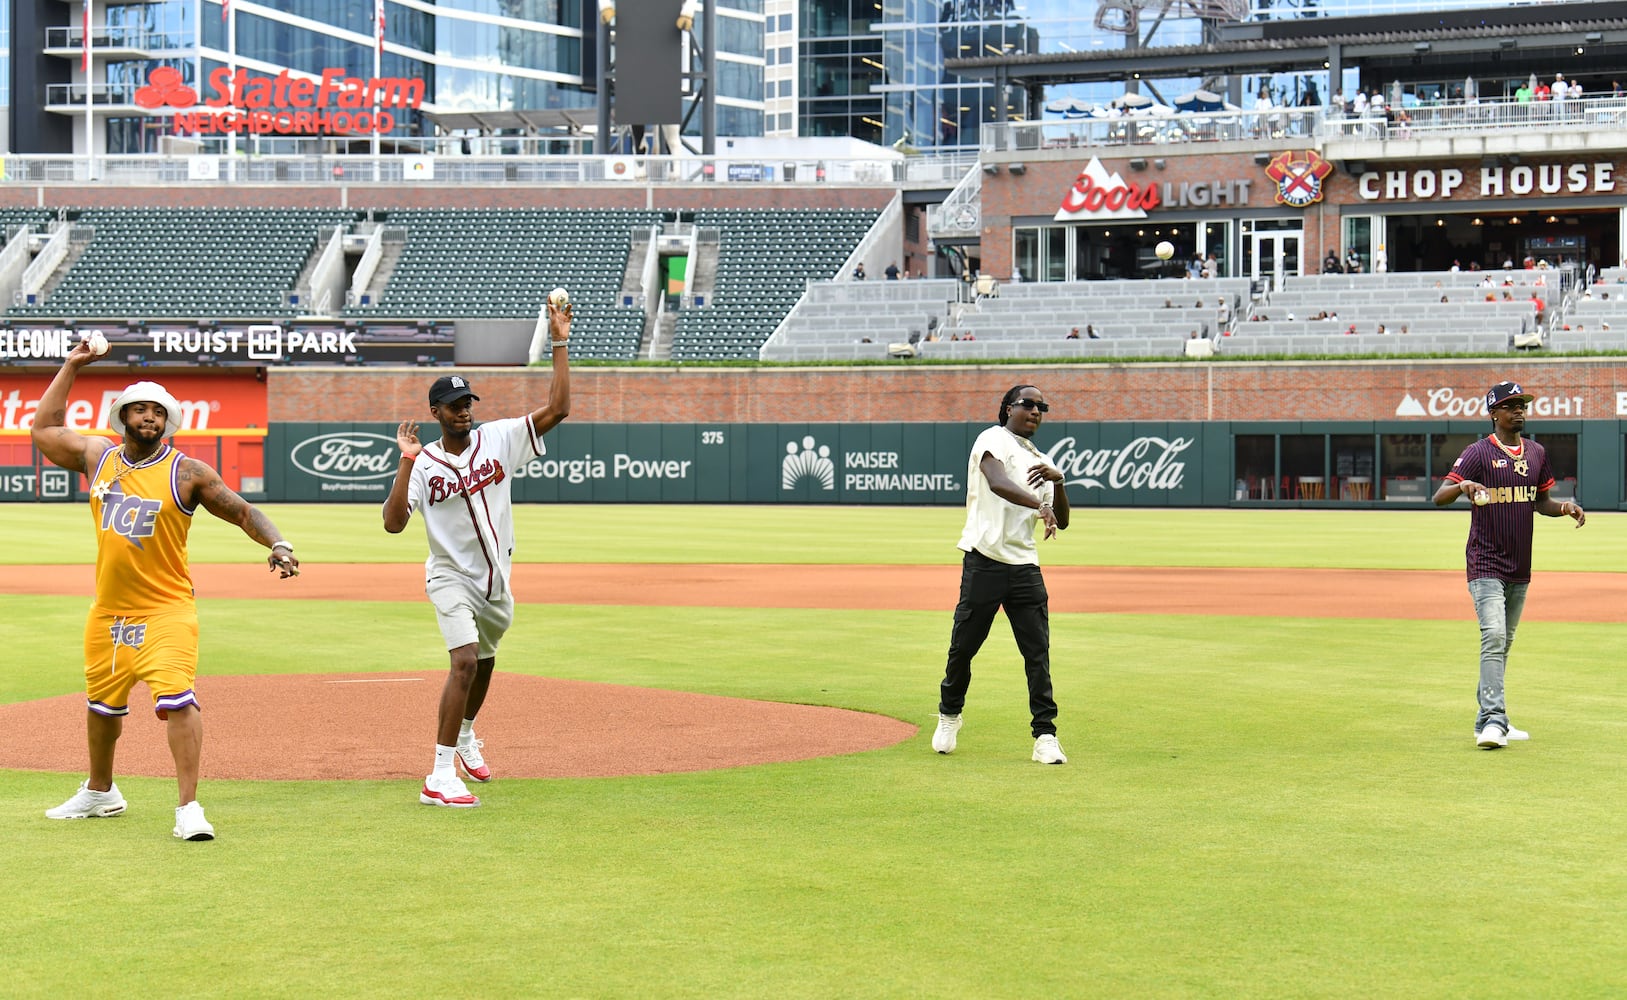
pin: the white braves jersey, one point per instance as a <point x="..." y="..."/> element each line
<point x="995" y="526"/>
<point x="468" y="511"/>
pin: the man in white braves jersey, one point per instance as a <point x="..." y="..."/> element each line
<point x="462" y="484"/>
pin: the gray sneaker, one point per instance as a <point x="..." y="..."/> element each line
<point x="87" y="803"/>
<point x="190" y="824"/>
<point x="943" y="738"/>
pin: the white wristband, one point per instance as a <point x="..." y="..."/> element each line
<point x="283" y="545"/>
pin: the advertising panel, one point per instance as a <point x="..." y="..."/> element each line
<point x="25" y="483"/>
<point x="871" y="463"/>
<point x="217" y="403"/>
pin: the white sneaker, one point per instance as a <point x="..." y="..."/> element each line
<point x="190" y="824"/>
<point x="87" y="803"/>
<point x="1512" y="734"/>
<point x="472" y="760"/>
<point x="447" y="790"/>
<point x="1491" y="737"/>
<point x="943" y="738"/>
<point x="1048" y="751"/>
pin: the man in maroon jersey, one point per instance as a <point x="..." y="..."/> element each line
<point x="1507" y="478"/>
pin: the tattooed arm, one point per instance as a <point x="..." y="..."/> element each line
<point x="61" y="446"/>
<point x="201" y="486"/>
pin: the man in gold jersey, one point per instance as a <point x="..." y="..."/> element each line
<point x="144" y="624"/>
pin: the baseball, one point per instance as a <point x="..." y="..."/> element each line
<point x="1165" y="250"/>
<point x="559" y="298"/>
<point x="97" y="341"/>
<point x="1481" y="498"/>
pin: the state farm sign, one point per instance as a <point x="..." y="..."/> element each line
<point x="332" y="102"/>
<point x="207" y="402"/>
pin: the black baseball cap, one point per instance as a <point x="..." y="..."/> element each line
<point x="449" y="388"/>
<point x="1502" y="392"/>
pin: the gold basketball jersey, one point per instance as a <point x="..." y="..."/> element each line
<point x="141" y="528"/>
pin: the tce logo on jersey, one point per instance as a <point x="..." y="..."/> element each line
<point x="131" y="516"/>
<point x="128" y="635"/>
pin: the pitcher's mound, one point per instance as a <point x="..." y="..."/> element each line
<point x="325" y="727"/>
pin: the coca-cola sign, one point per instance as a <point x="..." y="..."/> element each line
<point x="347" y="456"/>
<point x="1145" y="463"/>
<point x="1097" y="194"/>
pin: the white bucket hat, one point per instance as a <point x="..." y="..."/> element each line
<point x="146" y="392"/>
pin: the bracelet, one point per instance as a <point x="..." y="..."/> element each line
<point x="559" y="343"/>
<point x="283" y="545"/>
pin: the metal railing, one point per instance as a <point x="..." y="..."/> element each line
<point x="115" y="37"/>
<point x="100" y="93"/>
<point x="459" y="171"/>
<point x="1161" y="128"/>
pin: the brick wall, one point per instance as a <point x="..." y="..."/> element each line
<point x="1176" y="391"/>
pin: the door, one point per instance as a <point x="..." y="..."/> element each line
<point x="1276" y="255"/>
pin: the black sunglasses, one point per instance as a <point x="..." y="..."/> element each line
<point x="1032" y="404"/>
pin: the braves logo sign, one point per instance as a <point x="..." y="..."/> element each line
<point x="487" y="473"/>
<point x="1299" y="175"/>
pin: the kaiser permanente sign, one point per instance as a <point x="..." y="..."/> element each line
<point x="332" y="102"/>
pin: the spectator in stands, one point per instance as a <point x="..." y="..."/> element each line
<point x="1455" y="268"/>
<point x="1168" y="304"/>
<point x="1223" y="312"/>
<point x="1381" y="261"/>
<point x="1352" y="263"/>
<point x="1016" y="274"/>
<point x="1486" y="282"/>
<point x="892" y="271"/>
<point x="1560" y="90"/>
<point x="1090" y="333"/>
<point x="1405" y="329"/>
<point x="1508" y="296"/>
<point x="1211" y="267"/>
<point x="1530" y="263"/>
<point x="1381" y="331"/>
<point x="1072" y="334"/>
<point x="1536" y="300"/>
<point x="858" y="272"/>
<point x="1491" y="296"/>
<point x="1194" y="267"/>
<point x="969" y="336"/>
<point x="1445" y="299"/>
<point x="1331" y="265"/>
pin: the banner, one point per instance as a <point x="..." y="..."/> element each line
<point x="46" y="342"/>
<point x="208" y="402"/>
<point x="751" y="463"/>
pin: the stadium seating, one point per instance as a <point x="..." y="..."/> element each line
<point x="765" y="260"/>
<point x="186" y="262"/>
<point x="501" y="264"/>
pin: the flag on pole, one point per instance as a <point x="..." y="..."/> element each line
<point x="84" y="59"/>
<point x="225" y="8"/>
<point x="378" y="21"/>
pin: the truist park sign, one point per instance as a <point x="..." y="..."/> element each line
<point x="331" y="103"/>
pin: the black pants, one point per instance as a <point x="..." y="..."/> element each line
<point x="986" y="586"/>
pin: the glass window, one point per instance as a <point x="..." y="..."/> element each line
<point x="742" y="81"/>
<point x="785" y="88"/>
<point x="1254" y="467"/>
<point x="1562" y="458"/>
<point x="1353" y="456"/>
<point x="1406" y="476"/>
<point x="1444" y="449"/>
<point x="740" y="36"/>
<point x="1056" y="253"/>
<point x="1025" y="251"/>
<point x="785" y="54"/>
<point x="769" y="59"/>
<point x="785" y="122"/>
<point x="1304" y="467"/>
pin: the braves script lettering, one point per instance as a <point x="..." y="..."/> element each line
<point x="487" y="473"/>
<point x="1087" y="196"/>
<point x="1144" y="463"/>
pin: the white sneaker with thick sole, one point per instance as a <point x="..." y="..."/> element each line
<point x="1491" y="737"/>
<point x="472" y="761"/>
<point x="87" y="803"/>
<point x="1512" y="734"/>
<point x="447" y="790"/>
<point x="1048" y="751"/>
<point x="943" y="738"/>
<point x="190" y="824"/>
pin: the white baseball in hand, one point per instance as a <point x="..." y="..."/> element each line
<point x="559" y="298"/>
<point x="1481" y="498"/>
<point x="96" y="341"/>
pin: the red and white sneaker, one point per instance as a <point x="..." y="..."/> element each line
<point x="470" y="759"/>
<point x="447" y="790"/>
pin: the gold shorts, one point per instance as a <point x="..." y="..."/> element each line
<point x="159" y="649"/>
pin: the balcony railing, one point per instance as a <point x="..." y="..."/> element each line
<point x="100" y="93"/>
<point x="1499" y="116"/>
<point x="114" y="36"/>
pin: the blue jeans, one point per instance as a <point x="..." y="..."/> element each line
<point x="1497" y="604"/>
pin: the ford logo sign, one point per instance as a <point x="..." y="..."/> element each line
<point x="351" y="456"/>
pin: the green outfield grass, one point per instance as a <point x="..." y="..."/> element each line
<point x="1253" y="807"/>
<point x="633" y="533"/>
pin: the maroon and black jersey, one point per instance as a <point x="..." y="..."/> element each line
<point x="1500" y="532"/>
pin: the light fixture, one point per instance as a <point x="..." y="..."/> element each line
<point x="1593" y="37"/>
<point x="1138" y="164"/>
<point x="1326" y="64"/>
<point x="1420" y="46"/>
<point x="1513" y="220"/>
<point x="1551" y="219"/>
<point x="1478" y="221"/>
<point x="1507" y="43"/>
<point x="1580" y="50"/>
<point x="1261" y="159"/>
<point x="1141" y="232"/>
<point x="1159" y="163"/>
<point x="1018" y="168"/>
<point x="991" y="168"/>
<point x="1439" y="223"/>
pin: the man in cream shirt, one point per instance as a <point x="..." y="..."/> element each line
<point x="1010" y="490"/>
